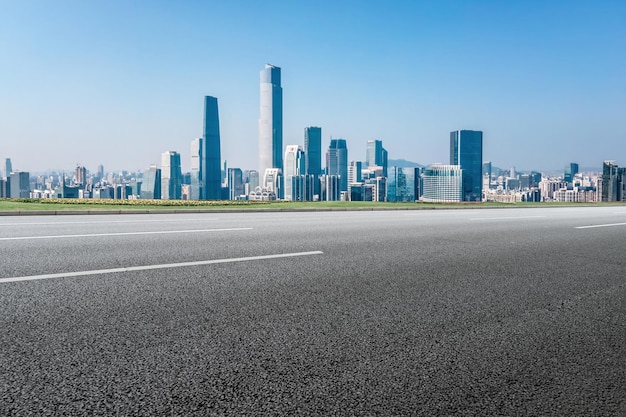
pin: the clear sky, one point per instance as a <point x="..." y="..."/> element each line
<point x="119" y="82"/>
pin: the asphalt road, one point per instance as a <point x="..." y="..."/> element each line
<point x="447" y="312"/>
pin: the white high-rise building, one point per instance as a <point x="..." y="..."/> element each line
<point x="271" y="120"/>
<point x="294" y="164"/>
<point x="171" y="176"/>
<point x="443" y="184"/>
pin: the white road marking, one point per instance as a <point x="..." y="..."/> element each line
<point x="507" y="218"/>
<point x="161" y="266"/>
<point x="125" y="233"/>
<point x="103" y="222"/>
<point x="600" y="225"/>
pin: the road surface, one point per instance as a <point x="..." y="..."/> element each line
<point x="442" y="312"/>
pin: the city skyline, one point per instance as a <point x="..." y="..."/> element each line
<point x="543" y="97"/>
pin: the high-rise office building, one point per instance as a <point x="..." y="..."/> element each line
<point x="211" y="159"/>
<point x="355" y="172"/>
<point x="466" y="150"/>
<point x="235" y="183"/>
<point x="196" y="182"/>
<point x="171" y="176"/>
<point x="376" y="155"/>
<point x="612" y="183"/>
<point x="271" y="120"/>
<point x="570" y="171"/>
<point x="294" y="164"/>
<point x="100" y="174"/>
<point x="8" y="168"/>
<point x="80" y="176"/>
<point x="403" y="184"/>
<point x="250" y="180"/>
<point x="329" y="188"/>
<point x="20" y="184"/>
<point x="313" y="150"/>
<point x="151" y="184"/>
<point x="443" y="183"/>
<point x="337" y="162"/>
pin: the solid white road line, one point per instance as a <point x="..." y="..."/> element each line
<point x="161" y="232"/>
<point x="507" y="218"/>
<point x="593" y="226"/>
<point x="106" y="221"/>
<point x="161" y="266"/>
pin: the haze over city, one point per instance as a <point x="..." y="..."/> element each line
<point x="118" y="83"/>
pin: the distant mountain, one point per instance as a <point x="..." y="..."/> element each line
<point x="403" y="163"/>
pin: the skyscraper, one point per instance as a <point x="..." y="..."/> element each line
<point x="313" y="150"/>
<point x="171" y="176"/>
<point x="612" y="182"/>
<point x="20" y="184"/>
<point x="271" y="120"/>
<point x="570" y="171"/>
<point x="294" y="165"/>
<point x="235" y="183"/>
<point x="376" y="155"/>
<point x="211" y="159"/>
<point x="8" y="168"/>
<point x="151" y="184"/>
<point x="466" y="150"/>
<point x="196" y="184"/>
<point x="337" y="162"/>
<point x="355" y="172"/>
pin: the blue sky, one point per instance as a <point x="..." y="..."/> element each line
<point x="119" y="82"/>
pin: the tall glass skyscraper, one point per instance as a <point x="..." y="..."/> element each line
<point x="376" y="155"/>
<point x="337" y="162"/>
<point x="271" y="120"/>
<point x="570" y="172"/>
<point x="210" y="158"/>
<point x="313" y="150"/>
<point x="8" y="168"/>
<point x="466" y="150"/>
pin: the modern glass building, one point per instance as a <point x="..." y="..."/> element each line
<point x="313" y="150"/>
<point x="294" y="164"/>
<point x="151" y="184"/>
<point x="570" y="171"/>
<point x="612" y="184"/>
<point x="271" y="120"/>
<point x="235" y="183"/>
<point x="443" y="184"/>
<point x="171" y="176"/>
<point x="210" y="157"/>
<point x="466" y="150"/>
<point x="337" y="162"/>
<point x="403" y="184"/>
<point x="376" y="155"/>
<point x="8" y="168"/>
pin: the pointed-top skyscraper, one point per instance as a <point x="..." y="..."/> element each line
<point x="271" y="120"/>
